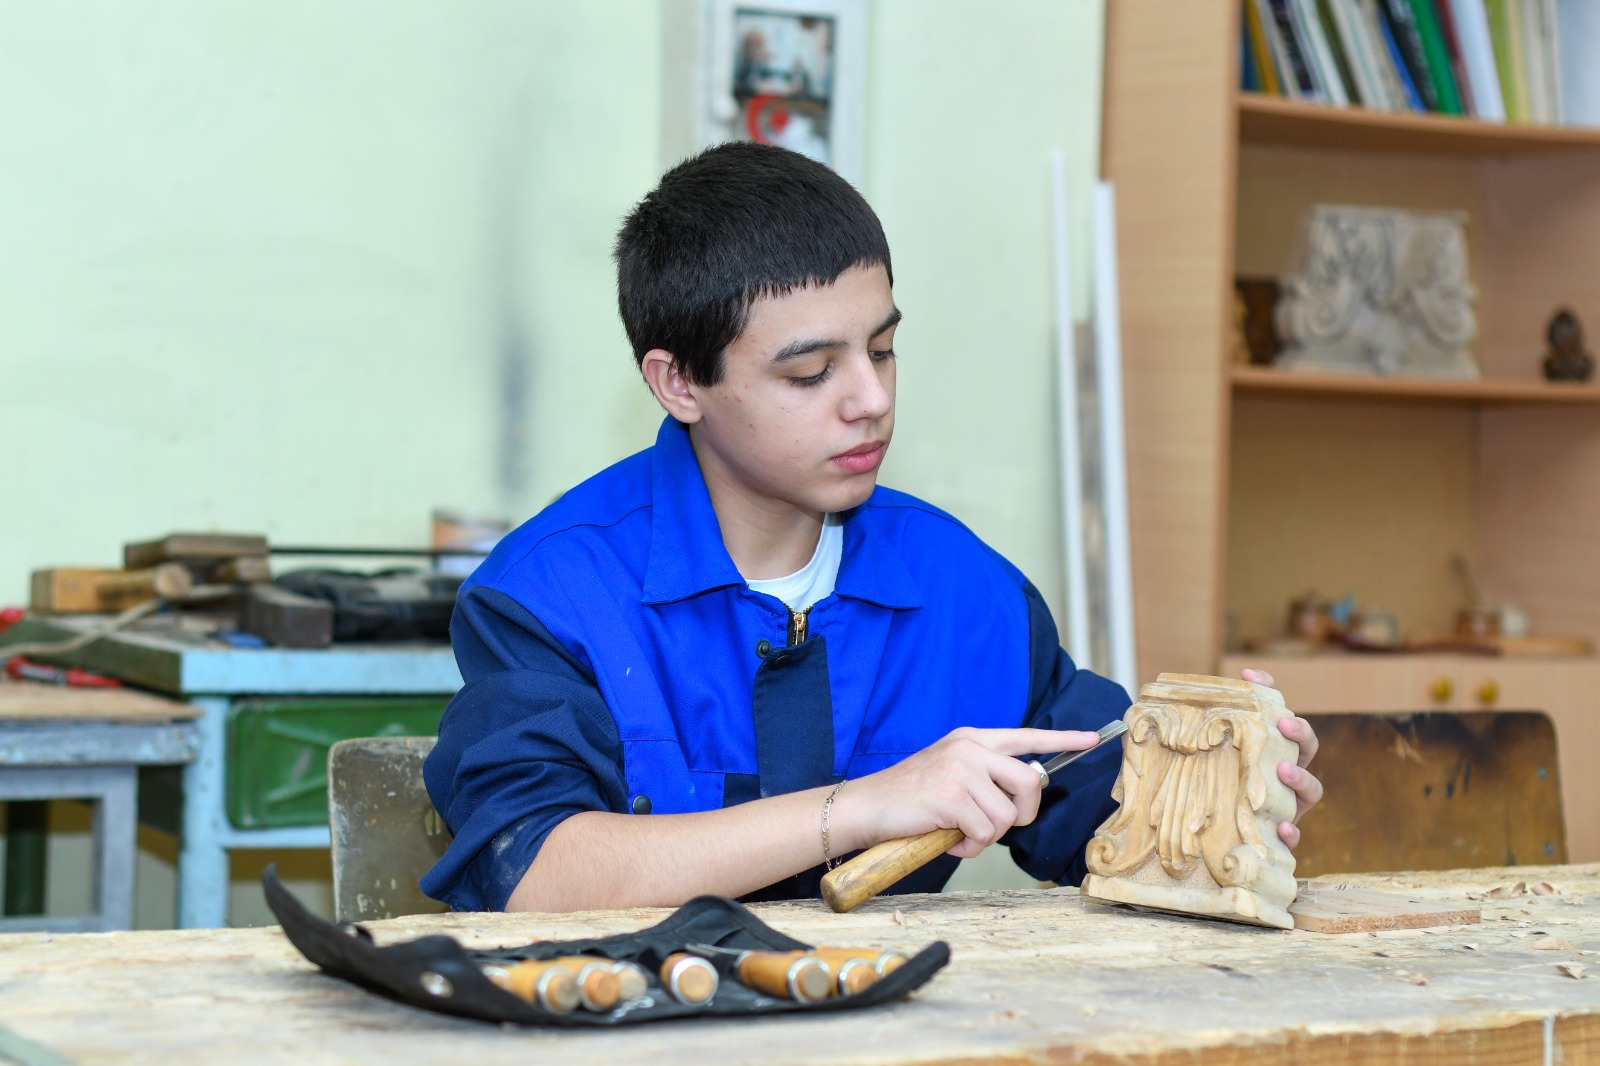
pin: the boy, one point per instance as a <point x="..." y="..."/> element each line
<point x="731" y="659"/>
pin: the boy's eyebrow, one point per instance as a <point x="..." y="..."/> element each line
<point x="805" y="346"/>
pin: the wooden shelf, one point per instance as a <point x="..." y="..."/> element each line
<point x="1424" y="390"/>
<point x="1273" y="121"/>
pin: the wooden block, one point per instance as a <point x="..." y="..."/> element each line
<point x="192" y="547"/>
<point x="285" y="620"/>
<point x="1341" y="909"/>
<point x="1199" y="802"/>
<point x="244" y="570"/>
<point x="120" y="590"/>
<point x="67" y="590"/>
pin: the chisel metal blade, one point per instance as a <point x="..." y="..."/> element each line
<point x="1109" y="731"/>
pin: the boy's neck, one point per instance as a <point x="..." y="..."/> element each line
<point x="765" y="538"/>
<point x="767" y="543"/>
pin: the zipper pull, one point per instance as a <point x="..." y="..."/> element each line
<point x="797" y="626"/>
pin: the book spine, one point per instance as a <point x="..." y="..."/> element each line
<point x="1506" y="33"/>
<point x="1477" y="55"/>
<point x="1437" y="56"/>
<point x="1260" y="50"/>
<point x="1550" y="40"/>
<point x="1458" y="65"/>
<point x="1533" y="62"/>
<point x="1579" y="36"/>
<point x="1382" y="59"/>
<point x="1287" y="79"/>
<point x="1332" y="80"/>
<point x="1397" y="61"/>
<point x="1349" y="22"/>
<point x="1336" y="48"/>
<point x="1305" y="77"/>
<point x="1402" y="27"/>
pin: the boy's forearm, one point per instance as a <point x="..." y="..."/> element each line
<point x="598" y="860"/>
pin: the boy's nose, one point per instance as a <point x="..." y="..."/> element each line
<point x="871" y="393"/>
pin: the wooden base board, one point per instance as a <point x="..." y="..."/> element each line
<point x="1231" y="904"/>
<point x="1341" y="909"/>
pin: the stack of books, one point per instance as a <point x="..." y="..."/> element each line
<point x="1493" y="60"/>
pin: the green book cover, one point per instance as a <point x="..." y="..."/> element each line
<point x="1504" y="21"/>
<point x="1437" y="54"/>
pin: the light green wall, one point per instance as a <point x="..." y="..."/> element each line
<point x="315" y="269"/>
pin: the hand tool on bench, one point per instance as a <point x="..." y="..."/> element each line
<point x="796" y="975"/>
<point x="852" y="883"/>
<point x="856" y="968"/>
<point x="552" y="987"/>
<point x="688" y="978"/>
<point x="20" y="669"/>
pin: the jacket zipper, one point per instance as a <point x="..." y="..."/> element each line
<point x="797" y="626"/>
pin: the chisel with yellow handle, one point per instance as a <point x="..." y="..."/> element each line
<point x="851" y="884"/>
<point x="688" y="978"/>
<point x="795" y="975"/>
<point x="856" y="968"/>
<point x="550" y="986"/>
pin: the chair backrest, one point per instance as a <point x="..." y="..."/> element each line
<point x="1433" y="791"/>
<point x="386" y="833"/>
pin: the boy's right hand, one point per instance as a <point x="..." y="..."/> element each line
<point x="975" y="780"/>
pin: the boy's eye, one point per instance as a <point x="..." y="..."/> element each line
<point x="883" y="355"/>
<point x="815" y="379"/>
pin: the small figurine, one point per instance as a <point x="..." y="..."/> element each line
<point x="1566" y="360"/>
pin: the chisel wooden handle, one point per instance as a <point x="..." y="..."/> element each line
<point x="688" y="978"/>
<point x="786" y="975"/>
<point x="851" y="884"/>
<point x="550" y="986"/>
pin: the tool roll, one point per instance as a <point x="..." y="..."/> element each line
<point x="710" y="957"/>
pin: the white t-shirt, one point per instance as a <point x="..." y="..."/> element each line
<point x="814" y="581"/>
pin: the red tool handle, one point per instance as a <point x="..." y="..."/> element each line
<point x="20" y="669"/>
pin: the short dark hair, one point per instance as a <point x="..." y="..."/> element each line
<point x="724" y="228"/>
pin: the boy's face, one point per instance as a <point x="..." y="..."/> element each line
<point x="805" y="409"/>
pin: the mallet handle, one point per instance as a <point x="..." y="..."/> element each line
<point x="851" y="884"/>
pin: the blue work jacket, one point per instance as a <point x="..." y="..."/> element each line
<point x="615" y="660"/>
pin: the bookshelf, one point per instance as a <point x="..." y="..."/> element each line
<point x="1272" y="120"/>
<point x="1250" y="486"/>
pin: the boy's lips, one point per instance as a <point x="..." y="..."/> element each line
<point x="862" y="458"/>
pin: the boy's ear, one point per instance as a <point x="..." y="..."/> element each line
<point x="671" y="388"/>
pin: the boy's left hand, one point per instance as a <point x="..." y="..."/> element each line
<point x="1307" y="789"/>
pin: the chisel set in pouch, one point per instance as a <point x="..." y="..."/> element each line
<point x="710" y="957"/>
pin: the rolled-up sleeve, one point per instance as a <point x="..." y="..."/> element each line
<point x="525" y="744"/>
<point x="1078" y="798"/>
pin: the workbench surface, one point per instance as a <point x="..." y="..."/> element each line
<point x="1035" y="976"/>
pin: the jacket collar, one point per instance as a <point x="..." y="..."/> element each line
<point x="687" y="556"/>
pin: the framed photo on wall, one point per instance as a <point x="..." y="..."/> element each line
<point x="786" y="72"/>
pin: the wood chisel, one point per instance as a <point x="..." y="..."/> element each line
<point x="851" y="884"/>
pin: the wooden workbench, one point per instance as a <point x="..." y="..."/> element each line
<point x="1035" y="976"/>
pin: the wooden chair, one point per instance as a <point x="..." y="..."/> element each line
<point x="386" y="833"/>
<point x="1433" y="791"/>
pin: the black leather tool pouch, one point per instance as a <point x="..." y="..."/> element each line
<point x="437" y="973"/>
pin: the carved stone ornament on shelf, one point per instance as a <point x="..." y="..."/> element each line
<point x="1379" y="291"/>
<point x="1197" y="829"/>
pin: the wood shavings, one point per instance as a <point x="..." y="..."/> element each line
<point x="897" y="918"/>
<point x="1554" y="943"/>
<point x="1544" y="888"/>
<point x="1576" y="970"/>
<point x="1414" y="978"/>
<point x="1469" y="947"/>
<point x="1507" y="891"/>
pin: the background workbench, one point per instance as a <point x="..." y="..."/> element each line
<point x="80" y="743"/>
<point x="224" y="682"/>
<point x="1034" y="976"/>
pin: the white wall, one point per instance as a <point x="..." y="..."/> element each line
<point x="315" y="269"/>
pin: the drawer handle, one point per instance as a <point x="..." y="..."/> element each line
<point x="1442" y="690"/>
<point x="1489" y="692"/>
